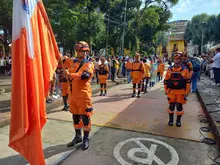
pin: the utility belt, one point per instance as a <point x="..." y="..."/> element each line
<point x="176" y="84"/>
<point x="135" y="70"/>
<point x="103" y="72"/>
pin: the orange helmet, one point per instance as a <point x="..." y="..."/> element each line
<point x="82" y="45"/>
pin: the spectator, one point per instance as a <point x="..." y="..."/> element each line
<point x="113" y="68"/>
<point x="96" y="67"/>
<point x="196" y="72"/>
<point x="2" y="65"/>
<point x="216" y="67"/>
<point x="128" y="66"/>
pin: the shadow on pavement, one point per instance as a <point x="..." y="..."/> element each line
<point x="48" y="152"/>
<point x="113" y="98"/>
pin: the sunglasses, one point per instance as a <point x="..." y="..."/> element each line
<point x="81" y="50"/>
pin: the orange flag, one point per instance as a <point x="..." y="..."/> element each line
<point x="35" y="55"/>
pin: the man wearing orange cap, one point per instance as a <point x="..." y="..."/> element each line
<point x="80" y="103"/>
<point x="177" y="88"/>
<point x="103" y="76"/>
<point x="137" y="72"/>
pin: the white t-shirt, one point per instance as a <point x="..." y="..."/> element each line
<point x="216" y="59"/>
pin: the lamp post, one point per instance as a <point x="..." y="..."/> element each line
<point x="123" y="35"/>
<point x="203" y="24"/>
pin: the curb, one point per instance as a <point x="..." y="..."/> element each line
<point x="57" y="103"/>
<point x="215" y="129"/>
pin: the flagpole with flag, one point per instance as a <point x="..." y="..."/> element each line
<point x="35" y="55"/>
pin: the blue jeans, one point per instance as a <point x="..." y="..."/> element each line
<point x="194" y="79"/>
<point x="128" y="76"/>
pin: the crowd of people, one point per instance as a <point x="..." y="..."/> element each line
<point x="114" y="67"/>
<point x="5" y="64"/>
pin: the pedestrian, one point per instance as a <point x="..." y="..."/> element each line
<point x="160" y="70"/>
<point x="146" y="76"/>
<point x="128" y="66"/>
<point x="196" y="72"/>
<point x="113" y="68"/>
<point x="153" y="72"/>
<point x="216" y="67"/>
<point x="137" y="72"/>
<point x="66" y="63"/>
<point x="186" y="62"/>
<point x="177" y="88"/>
<point x="80" y="102"/>
<point x="97" y="63"/>
<point x="103" y="76"/>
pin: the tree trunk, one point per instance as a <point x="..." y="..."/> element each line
<point x="5" y="41"/>
<point x="89" y="25"/>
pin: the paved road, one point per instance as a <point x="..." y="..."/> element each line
<point x="126" y="131"/>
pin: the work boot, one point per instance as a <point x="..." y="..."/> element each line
<point x="178" y="121"/>
<point x="134" y="94"/>
<point x="66" y="108"/>
<point x="170" y="123"/>
<point x="85" y="144"/>
<point x="101" y="94"/>
<point x="76" y="140"/>
<point x="105" y="93"/>
<point x="139" y="93"/>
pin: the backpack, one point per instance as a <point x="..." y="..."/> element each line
<point x="196" y="65"/>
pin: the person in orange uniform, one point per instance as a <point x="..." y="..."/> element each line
<point x="177" y="88"/>
<point x="187" y="63"/>
<point x="66" y="63"/>
<point x="160" y="70"/>
<point x="80" y="102"/>
<point x="137" y="72"/>
<point x="103" y="76"/>
<point x="146" y="75"/>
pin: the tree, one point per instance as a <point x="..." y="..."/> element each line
<point x="195" y="28"/>
<point x="6" y="21"/>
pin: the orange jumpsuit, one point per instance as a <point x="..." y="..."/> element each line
<point x="137" y="72"/>
<point x="146" y="76"/>
<point x="160" y="70"/>
<point x="103" y="76"/>
<point x="177" y="87"/>
<point x="80" y="98"/>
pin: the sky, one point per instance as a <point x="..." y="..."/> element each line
<point x="186" y="9"/>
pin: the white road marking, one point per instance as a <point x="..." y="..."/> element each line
<point x="151" y="157"/>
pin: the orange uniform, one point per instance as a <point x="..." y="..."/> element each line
<point x="147" y="68"/>
<point x="161" y="68"/>
<point x="177" y="84"/>
<point x="81" y="91"/>
<point x="177" y="87"/>
<point x="137" y="72"/>
<point x="103" y="73"/>
<point x="103" y="76"/>
<point x="128" y="65"/>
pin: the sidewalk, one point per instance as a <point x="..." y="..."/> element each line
<point x="52" y="107"/>
<point x="5" y="84"/>
<point x="209" y="96"/>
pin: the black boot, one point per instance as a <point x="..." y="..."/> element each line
<point x="77" y="139"/>
<point x="85" y="144"/>
<point x="139" y="93"/>
<point x="178" y="121"/>
<point x="105" y="93"/>
<point x="101" y="94"/>
<point x="134" y="94"/>
<point x="142" y="89"/>
<point x="170" y="123"/>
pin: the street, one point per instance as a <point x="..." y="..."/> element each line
<point x="125" y="131"/>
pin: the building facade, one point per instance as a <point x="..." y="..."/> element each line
<point x="175" y="37"/>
